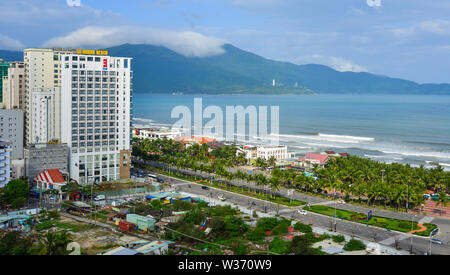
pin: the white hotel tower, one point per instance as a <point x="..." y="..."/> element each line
<point x="95" y="113"/>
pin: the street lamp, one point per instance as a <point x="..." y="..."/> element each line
<point x="411" y="251"/>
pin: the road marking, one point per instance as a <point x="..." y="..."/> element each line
<point x="426" y="220"/>
<point x="391" y="240"/>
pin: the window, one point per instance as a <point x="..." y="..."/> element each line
<point x="97" y="59"/>
<point x="74" y="58"/>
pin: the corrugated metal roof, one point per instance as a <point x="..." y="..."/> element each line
<point x="121" y="251"/>
<point x="150" y="247"/>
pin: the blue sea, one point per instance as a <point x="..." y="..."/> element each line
<point x="412" y="129"/>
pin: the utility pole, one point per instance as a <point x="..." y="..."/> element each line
<point x="411" y="250"/>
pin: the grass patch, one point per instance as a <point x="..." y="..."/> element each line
<point x="388" y="223"/>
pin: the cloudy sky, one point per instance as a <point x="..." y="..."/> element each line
<point x="400" y="38"/>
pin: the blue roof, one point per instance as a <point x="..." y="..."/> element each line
<point x="121" y="251"/>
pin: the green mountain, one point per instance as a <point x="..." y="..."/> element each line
<point x="160" y="70"/>
<point x="11" y="55"/>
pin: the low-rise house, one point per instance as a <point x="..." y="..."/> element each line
<point x="121" y="251"/>
<point x="50" y="179"/>
<point x="153" y="248"/>
<point x="310" y="159"/>
<point x="142" y="222"/>
<point x="155" y="133"/>
<point x="264" y="152"/>
<point x="191" y="140"/>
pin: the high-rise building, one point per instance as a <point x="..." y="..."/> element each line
<point x="3" y="72"/>
<point x="46" y="115"/>
<point x="42" y="72"/>
<point x="11" y="129"/>
<point x="89" y="97"/>
<point x="96" y="123"/>
<point x="5" y="162"/>
<point x="14" y="86"/>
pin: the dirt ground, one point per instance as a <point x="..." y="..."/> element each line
<point x="96" y="239"/>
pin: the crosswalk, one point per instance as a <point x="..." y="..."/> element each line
<point x="391" y="240"/>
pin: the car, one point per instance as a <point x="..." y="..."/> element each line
<point x="302" y="212"/>
<point x="436" y="241"/>
<point x="99" y="197"/>
<point x="222" y="198"/>
<point x="204" y="187"/>
<point x="341" y="202"/>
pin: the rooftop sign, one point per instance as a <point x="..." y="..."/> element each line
<point x="92" y="52"/>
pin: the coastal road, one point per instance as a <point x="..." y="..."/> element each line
<point x="421" y="245"/>
<point x="442" y="223"/>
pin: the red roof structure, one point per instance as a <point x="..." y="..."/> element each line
<point x="315" y="158"/>
<point x="51" y="177"/>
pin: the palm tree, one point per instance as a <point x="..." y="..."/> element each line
<point x="442" y="199"/>
<point x="55" y="243"/>
<point x="272" y="161"/>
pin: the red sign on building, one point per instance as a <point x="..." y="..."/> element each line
<point x="105" y="63"/>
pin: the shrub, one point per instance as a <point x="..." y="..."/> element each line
<point x="354" y="245"/>
<point x="303" y="227"/>
<point x="280" y="229"/>
<point x="256" y="235"/>
<point x="267" y="224"/>
<point x="279" y="246"/>
<point x="338" y="238"/>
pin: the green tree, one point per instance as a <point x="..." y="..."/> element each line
<point x="15" y="193"/>
<point x="14" y="243"/>
<point x="55" y="243"/>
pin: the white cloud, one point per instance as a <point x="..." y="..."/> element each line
<point x="257" y="3"/>
<point x="186" y="43"/>
<point x="8" y="43"/>
<point x="437" y="27"/>
<point x="374" y="3"/>
<point x="337" y="63"/>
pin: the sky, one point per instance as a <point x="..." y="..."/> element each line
<point x="408" y="39"/>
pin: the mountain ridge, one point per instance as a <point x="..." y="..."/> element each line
<point x="161" y="70"/>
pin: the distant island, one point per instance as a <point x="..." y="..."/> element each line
<point x="160" y="70"/>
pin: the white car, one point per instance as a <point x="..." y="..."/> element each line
<point x="99" y="197"/>
<point x="302" y="212"/>
<point x="341" y="202"/>
<point x="222" y="198"/>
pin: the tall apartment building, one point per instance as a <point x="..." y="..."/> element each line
<point x="5" y="162"/>
<point x="46" y="115"/>
<point x="11" y="129"/>
<point x="91" y="109"/>
<point x="96" y="123"/>
<point x="3" y="72"/>
<point x="14" y="86"/>
<point x="42" y="72"/>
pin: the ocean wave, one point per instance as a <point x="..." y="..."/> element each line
<point x="324" y="137"/>
<point x="420" y="154"/>
<point x="382" y="157"/>
<point x="143" y="119"/>
<point x="326" y="145"/>
<point x="347" y="137"/>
